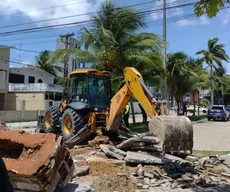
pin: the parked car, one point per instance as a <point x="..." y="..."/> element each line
<point x="218" y="112"/>
<point x="190" y="109"/>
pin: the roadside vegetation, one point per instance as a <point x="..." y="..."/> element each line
<point x="114" y="41"/>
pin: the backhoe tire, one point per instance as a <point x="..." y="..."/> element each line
<point x="51" y="120"/>
<point x="71" y="124"/>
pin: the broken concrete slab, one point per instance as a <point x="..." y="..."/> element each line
<point x="97" y="158"/>
<point x="113" y="152"/>
<point x="191" y="159"/>
<point x="226" y="159"/>
<point x="147" y="140"/>
<point x="147" y="148"/>
<point x="81" y="171"/>
<point x="33" y="160"/>
<point x="136" y="157"/>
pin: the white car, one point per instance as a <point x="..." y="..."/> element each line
<point x="201" y="109"/>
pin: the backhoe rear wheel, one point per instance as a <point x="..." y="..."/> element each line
<point x="51" y="120"/>
<point x="72" y="122"/>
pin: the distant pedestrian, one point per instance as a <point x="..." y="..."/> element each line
<point x="126" y="115"/>
<point x="185" y="109"/>
<point x="144" y="115"/>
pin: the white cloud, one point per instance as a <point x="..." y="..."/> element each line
<point x="186" y="22"/>
<point x="27" y="62"/>
<point x="226" y="17"/>
<point x="170" y="12"/>
<point x="75" y="8"/>
<point x="204" y="20"/>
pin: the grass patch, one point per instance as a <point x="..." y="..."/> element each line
<point x="198" y="118"/>
<point x="204" y="153"/>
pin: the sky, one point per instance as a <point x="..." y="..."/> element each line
<point x="185" y="32"/>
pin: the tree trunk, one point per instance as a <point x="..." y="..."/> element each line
<point x="178" y="107"/>
<point x="212" y="91"/>
<point x="198" y="101"/>
<point x="194" y="103"/>
<point x="222" y="93"/>
<point x="132" y="109"/>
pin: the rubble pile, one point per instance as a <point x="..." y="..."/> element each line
<point x="35" y="162"/>
<point x="163" y="170"/>
<point x="185" y="174"/>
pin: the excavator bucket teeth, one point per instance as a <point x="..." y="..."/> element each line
<point x="175" y="133"/>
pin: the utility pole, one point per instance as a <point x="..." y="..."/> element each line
<point x="165" y="89"/>
<point x="65" y="39"/>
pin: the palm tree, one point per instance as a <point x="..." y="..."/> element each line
<point x="43" y="62"/>
<point x="198" y="81"/>
<point x="112" y="42"/>
<point x="176" y="70"/>
<point x="213" y="56"/>
<point x="220" y="81"/>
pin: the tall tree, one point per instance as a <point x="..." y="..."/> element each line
<point x="198" y="81"/>
<point x="112" y="41"/>
<point x="209" y="7"/>
<point x="43" y="62"/>
<point x="178" y="75"/>
<point x="213" y="56"/>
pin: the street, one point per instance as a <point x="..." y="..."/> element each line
<point x="209" y="135"/>
<point x="212" y="135"/>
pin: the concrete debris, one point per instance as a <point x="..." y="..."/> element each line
<point x="98" y="140"/>
<point x="44" y="155"/>
<point x="81" y="171"/>
<point x="113" y="152"/>
<point x="146" y="142"/>
<point x="136" y="157"/>
<point x="191" y="159"/>
<point x="179" y="174"/>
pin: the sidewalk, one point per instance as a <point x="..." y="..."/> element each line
<point x="33" y="124"/>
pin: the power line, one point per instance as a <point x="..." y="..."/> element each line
<point x="44" y="8"/>
<point x="84" y="22"/>
<point x="67" y="17"/>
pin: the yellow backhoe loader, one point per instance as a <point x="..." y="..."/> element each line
<point x="89" y="106"/>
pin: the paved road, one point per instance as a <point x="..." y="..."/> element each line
<point x="213" y="135"/>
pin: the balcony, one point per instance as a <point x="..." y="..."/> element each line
<point x="35" y="87"/>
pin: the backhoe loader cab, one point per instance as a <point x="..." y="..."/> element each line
<point x="89" y="90"/>
<point x="86" y="103"/>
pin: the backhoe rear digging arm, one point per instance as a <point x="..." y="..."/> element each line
<point x="133" y="84"/>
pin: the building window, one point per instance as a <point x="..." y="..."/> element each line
<point x="16" y="78"/>
<point x="39" y="81"/>
<point x="31" y="79"/>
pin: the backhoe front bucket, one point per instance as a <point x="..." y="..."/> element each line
<point x="175" y="133"/>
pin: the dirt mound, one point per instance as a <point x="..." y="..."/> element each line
<point x="101" y="168"/>
<point x="114" y="182"/>
<point x="3" y="126"/>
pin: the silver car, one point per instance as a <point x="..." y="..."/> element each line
<point x="218" y="112"/>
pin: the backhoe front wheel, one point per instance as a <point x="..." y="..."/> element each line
<point x="51" y="120"/>
<point x="72" y="122"/>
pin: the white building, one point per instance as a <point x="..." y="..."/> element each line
<point x="4" y="74"/>
<point x="72" y="64"/>
<point x="29" y="74"/>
